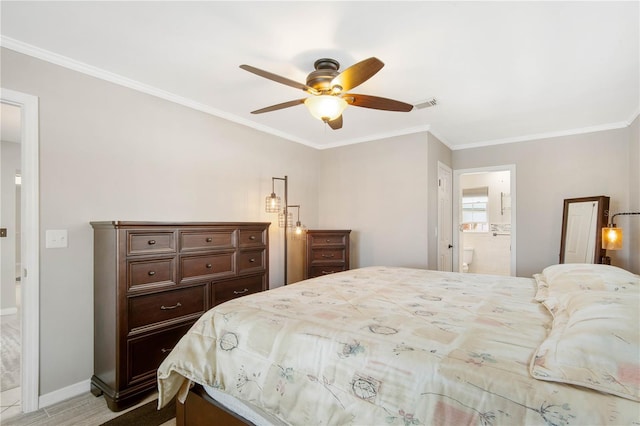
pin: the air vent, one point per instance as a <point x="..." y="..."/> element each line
<point x="426" y="104"/>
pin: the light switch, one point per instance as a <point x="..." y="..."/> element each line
<point x="56" y="238"/>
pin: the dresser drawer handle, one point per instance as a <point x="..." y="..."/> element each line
<point x="166" y="308"/>
<point x="209" y="239"/>
<point x="151" y="242"/>
<point x="328" y="240"/>
<point x="252" y="260"/>
<point x="240" y="292"/>
<point x="252" y="237"/>
<point x="209" y="266"/>
<point x="151" y="273"/>
<point x="165" y="350"/>
<point x="327" y="272"/>
<point x="327" y="255"/>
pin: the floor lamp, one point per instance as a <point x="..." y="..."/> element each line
<point x="273" y="204"/>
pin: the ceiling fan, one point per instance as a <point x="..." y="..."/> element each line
<point x="328" y="89"/>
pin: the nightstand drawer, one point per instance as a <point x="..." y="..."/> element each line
<point x="317" y="271"/>
<point x="150" y="242"/>
<point x="204" y="240"/>
<point x="207" y="266"/>
<point x="169" y="305"/>
<point x="146" y="353"/>
<point x="227" y="290"/>
<point x="145" y="273"/>
<point x="251" y="261"/>
<point x="322" y="255"/>
<point x="327" y="239"/>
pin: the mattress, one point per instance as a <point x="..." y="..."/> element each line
<point x="409" y="346"/>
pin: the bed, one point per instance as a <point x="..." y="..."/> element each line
<point x="401" y="346"/>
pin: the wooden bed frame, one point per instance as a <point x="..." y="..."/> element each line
<point x="199" y="409"/>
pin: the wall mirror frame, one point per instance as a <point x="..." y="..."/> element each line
<point x="582" y="222"/>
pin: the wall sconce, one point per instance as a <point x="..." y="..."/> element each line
<point x="612" y="236"/>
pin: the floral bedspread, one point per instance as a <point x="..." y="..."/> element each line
<point x="387" y="346"/>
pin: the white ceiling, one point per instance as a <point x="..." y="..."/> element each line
<point x="500" y="71"/>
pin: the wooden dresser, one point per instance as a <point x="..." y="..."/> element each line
<point x="327" y="251"/>
<point x="152" y="281"/>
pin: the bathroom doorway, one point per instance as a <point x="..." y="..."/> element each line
<point x="484" y="220"/>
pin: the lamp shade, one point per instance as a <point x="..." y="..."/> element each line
<point x="282" y="222"/>
<point x="272" y="203"/>
<point x="299" y="231"/>
<point x="612" y="238"/>
<point x="325" y="107"/>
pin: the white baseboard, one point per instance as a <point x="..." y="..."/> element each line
<point x="9" y="311"/>
<point x="64" y="393"/>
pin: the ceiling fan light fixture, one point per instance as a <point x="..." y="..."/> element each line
<point x="325" y="107"/>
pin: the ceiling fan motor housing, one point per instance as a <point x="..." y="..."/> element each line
<point x="326" y="71"/>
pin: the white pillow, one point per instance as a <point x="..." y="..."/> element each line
<point x="558" y="280"/>
<point x="594" y="342"/>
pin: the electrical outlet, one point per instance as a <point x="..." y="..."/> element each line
<point x="56" y="238"/>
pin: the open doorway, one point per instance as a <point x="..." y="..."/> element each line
<point x="484" y="220"/>
<point x="23" y="225"/>
<point x="10" y="270"/>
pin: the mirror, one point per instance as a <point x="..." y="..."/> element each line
<point x="582" y="222"/>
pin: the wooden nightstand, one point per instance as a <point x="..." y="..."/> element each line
<point x="327" y="252"/>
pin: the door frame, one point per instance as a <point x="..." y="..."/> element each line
<point x="30" y="246"/>
<point x="456" y="210"/>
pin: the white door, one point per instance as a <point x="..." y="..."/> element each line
<point x="581" y="229"/>
<point x="445" y="230"/>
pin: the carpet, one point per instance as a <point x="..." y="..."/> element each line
<point x="145" y="415"/>
<point x="9" y="352"/>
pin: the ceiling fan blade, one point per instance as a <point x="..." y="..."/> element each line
<point x="278" y="106"/>
<point x="357" y="74"/>
<point x="375" y="102"/>
<point x="336" y="124"/>
<point x="279" y="79"/>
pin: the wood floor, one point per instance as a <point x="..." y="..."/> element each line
<point x="83" y="410"/>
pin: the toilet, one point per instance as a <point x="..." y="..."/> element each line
<point x="467" y="258"/>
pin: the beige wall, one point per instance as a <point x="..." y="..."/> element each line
<point x="380" y="190"/>
<point x="547" y="172"/>
<point x="111" y="153"/>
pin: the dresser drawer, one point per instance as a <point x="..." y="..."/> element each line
<point x="327" y="239"/>
<point x="227" y="290"/>
<point x="251" y="261"/>
<point x="207" y="266"/>
<point x="169" y="305"/>
<point x="146" y="353"/>
<point x="153" y="272"/>
<point x="252" y="237"/>
<point x="203" y="240"/>
<point x="323" y="255"/>
<point x="317" y="271"/>
<point x="152" y="242"/>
